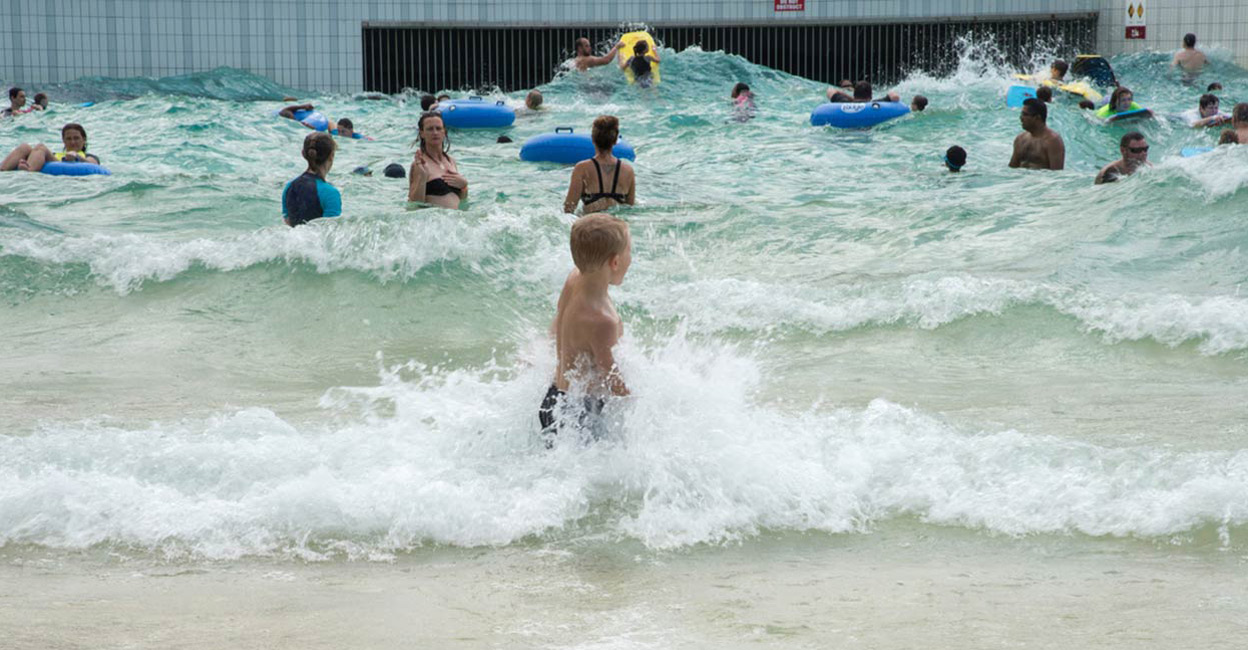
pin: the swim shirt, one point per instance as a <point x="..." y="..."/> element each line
<point x="1107" y="110"/>
<point x="309" y="197"/>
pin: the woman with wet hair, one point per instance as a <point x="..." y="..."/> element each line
<point x="587" y="185"/>
<point x="434" y="177"/>
<point x="31" y="159"/>
<point x="310" y="196"/>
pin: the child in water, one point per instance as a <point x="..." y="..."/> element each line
<point x="640" y="63"/>
<point x="586" y="326"/>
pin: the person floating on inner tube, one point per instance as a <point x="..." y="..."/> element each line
<point x="585" y="58"/>
<point x="434" y="177"/>
<point x="31" y="159"/>
<point x="640" y="63"/>
<point x="590" y="177"/>
<point x="1121" y="101"/>
<point x="342" y="128"/>
<point x="309" y="196"/>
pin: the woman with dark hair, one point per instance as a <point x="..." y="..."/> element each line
<point x="640" y="63"/>
<point x="587" y="185"/>
<point x="31" y="159"/>
<point x="310" y="196"/>
<point x="434" y="177"/>
<point x="1121" y="101"/>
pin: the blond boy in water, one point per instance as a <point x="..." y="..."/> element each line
<point x="586" y="326"/>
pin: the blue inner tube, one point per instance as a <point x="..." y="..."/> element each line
<point x="73" y="169"/>
<point x="313" y="119"/>
<point x="564" y="146"/>
<point x="856" y="115"/>
<point x="475" y="113"/>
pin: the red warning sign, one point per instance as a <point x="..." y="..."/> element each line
<point x="790" y="5"/>
<point x="1136" y="27"/>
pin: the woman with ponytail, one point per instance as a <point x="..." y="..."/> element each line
<point x="309" y="196"/>
<point x="434" y="177"/>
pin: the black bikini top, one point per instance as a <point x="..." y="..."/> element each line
<point x="600" y="194"/>
<point x="438" y="187"/>
<point x="640" y="65"/>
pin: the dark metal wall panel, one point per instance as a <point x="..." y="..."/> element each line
<point x="433" y="57"/>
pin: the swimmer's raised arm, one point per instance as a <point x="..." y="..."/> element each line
<point x="289" y="111"/>
<point x="416" y="179"/>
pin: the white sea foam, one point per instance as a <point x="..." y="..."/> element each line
<point x="452" y="457"/>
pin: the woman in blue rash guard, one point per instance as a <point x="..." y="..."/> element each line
<point x="309" y="196"/>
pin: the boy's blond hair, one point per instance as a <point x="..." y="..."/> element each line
<point x="595" y="238"/>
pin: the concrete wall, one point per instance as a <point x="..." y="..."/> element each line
<point x="1216" y="23"/>
<point x="315" y="44"/>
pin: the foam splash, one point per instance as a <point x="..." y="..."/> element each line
<point x="451" y="456"/>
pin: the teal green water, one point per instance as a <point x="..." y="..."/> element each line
<point x="825" y="331"/>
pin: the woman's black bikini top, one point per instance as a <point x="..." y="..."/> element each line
<point x="438" y="187"/>
<point x="600" y="194"/>
<point x="640" y="65"/>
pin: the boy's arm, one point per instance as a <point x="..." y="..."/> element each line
<point x="602" y="340"/>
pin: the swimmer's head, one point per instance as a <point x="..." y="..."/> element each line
<point x="533" y="100"/>
<point x="1058" y="69"/>
<point x="1240" y="115"/>
<point x="1208" y="105"/>
<point x="443" y="97"/>
<point x="955" y="158"/>
<point x="318" y="150"/>
<point x="582" y="47"/>
<point x="847" y="85"/>
<point x="1121" y="99"/>
<point x="839" y="97"/>
<point x="741" y="87"/>
<point x="74" y="137"/>
<point x="1044" y="94"/>
<point x="862" y="91"/>
<point x="41" y="99"/>
<point x="1189" y="40"/>
<point x="1034" y="109"/>
<point x="640" y="48"/>
<point x="394" y="170"/>
<point x="346" y="128"/>
<point x="1134" y="147"/>
<point x="427" y="101"/>
<point x="601" y="241"/>
<point x="1087" y="105"/>
<point x="606" y="132"/>
<point x="918" y="104"/>
<point x="431" y="133"/>
<point x="1228" y="137"/>
<point x="1213" y="86"/>
<point x="17" y="97"/>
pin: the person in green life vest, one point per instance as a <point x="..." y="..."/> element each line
<point x="1121" y="101"/>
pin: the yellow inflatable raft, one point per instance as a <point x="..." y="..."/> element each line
<point x="630" y="39"/>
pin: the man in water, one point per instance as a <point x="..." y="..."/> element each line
<point x="1209" y="113"/>
<point x="533" y="100"/>
<point x="17" y="99"/>
<point x="1038" y="146"/>
<point x="585" y="58"/>
<point x="1134" y="150"/>
<point x="587" y="326"/>
<point x="1190" y="59"/>
<point x="1057" y="71"/>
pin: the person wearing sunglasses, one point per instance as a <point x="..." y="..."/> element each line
<point x="1134" y="150"/>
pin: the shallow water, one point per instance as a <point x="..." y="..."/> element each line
<point x="827" y="334"/>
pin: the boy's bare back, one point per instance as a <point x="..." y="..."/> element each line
<point x="586" y="325"/>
